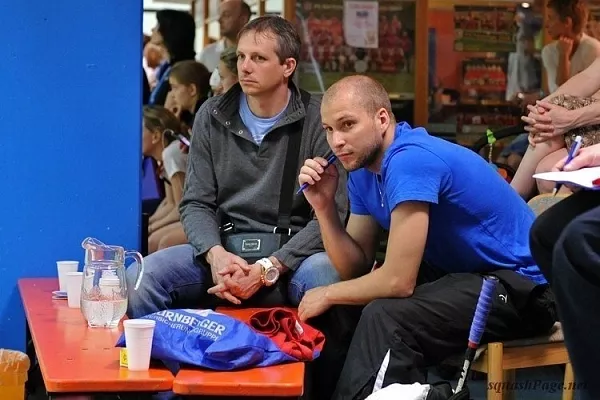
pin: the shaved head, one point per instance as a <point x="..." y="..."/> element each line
<point x="357" y="115"/>
<point x="233" y="15"/>
<point x="368" y="93"/>
<point x="238" y="5"/>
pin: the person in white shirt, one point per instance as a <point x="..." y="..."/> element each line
<point x="233" y="15"/>
<point x="158" y="142"/>
<point x="571" y="52"/>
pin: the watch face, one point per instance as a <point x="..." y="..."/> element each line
<point x="271" y="275"/>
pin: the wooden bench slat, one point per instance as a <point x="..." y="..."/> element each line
<point x="75" y="358"/>
<point x="276" y="381"/>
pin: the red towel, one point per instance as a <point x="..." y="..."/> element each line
<point x="293" y="337"/>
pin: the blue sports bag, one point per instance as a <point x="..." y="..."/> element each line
<point x="208" y="339"/>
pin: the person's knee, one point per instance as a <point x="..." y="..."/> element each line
<point x="403" y="315"/>
<point x="377" y="312"/>
<point x="171" y="239"/>
<point x="373" y="311"/>
<point x="153" y="242"/>
<point x="150" y="284"/>
<point x="167" y="241"/>
<point x="542" y="185"/>
<point x="317" y="270"/>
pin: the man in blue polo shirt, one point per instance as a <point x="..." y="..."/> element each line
<point x="443" y="207"/>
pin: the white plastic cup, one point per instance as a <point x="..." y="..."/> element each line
<point x="74" y="283"/>
<point x="138" y="339"/>
<point x="63" y="268"/>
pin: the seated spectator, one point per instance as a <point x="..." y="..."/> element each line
<point x="234" y="179"/>
<point x="153" y="58"/>
<point x="433" y="198"/>
<point x="233" y="15"/>
<point x="175" y="33"/>
<point x="565" y="241"/>
<point x="523" y="87"/>
<point x="524" y="71"/>
<point x="227" y="69"/>
<point x="164" y="228"/>
<point x="189" y="89"/>
<point x="571" y="52"/>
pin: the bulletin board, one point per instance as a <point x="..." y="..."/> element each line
<point x="342" y="38"/>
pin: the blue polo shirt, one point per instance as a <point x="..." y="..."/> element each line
<point x="477" y="222"/>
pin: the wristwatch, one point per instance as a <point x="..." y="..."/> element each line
<point x="270" y="273"/>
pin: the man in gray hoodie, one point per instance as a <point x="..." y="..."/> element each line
<point x="236" y="159"/>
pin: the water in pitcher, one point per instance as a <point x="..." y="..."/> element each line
<point x="104" y="297"/>
<point x="103" y="314"/>
<point x="104" y="289"/>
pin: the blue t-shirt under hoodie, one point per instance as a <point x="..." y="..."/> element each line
<point x="477" y="222"/>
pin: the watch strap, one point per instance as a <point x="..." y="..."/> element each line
<point x="265" y="264"/>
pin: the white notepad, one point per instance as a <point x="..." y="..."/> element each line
<point x="583" y="177"/>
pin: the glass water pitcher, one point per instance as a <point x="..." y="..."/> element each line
<point x="104" y="288"/>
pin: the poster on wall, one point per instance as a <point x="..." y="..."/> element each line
<point x="485" y="29"/>
<point x="361" y="24"/>
<point x="332" y="48"/>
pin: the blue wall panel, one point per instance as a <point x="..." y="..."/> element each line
<point x="70" y="127"/>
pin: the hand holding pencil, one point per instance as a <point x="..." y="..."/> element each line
<point x="319" y="180"/>
<point x="566" y="164"/>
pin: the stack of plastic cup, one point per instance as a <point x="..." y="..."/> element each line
<point x="63" y="268"/>
<point x="138" y="339"/>
<point x="74" y="283"/>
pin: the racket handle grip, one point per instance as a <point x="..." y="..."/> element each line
<point x="483" y="309"/>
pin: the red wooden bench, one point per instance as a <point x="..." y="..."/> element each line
<point x="285" y="380"/>
<point x="74" y="358"/>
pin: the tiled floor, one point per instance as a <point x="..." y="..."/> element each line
<point x="539" y="384"/>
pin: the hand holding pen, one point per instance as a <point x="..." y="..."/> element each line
<point x="572" y="153"/>
<point x="318" y="181"/>
<point x="329" y="161"/>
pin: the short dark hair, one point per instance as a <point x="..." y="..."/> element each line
<point x="190" y="72"/>
<point x="288" y="39"/>
<point x="577" y="10"/>
<point x="178" y="30"/>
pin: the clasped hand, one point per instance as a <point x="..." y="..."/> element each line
<point x="234" y="279"/>
<point x="546" y="121"/>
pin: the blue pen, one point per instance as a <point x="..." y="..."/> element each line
<point x="572" y="152"/>
<point x="330" y="161"/>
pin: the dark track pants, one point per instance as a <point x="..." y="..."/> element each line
<point x="565" y="241"/>
<point x="396" y="339"/>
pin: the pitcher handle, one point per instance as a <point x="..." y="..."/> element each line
<point x="140" y="262"/>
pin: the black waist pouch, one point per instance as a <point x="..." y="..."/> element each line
<point x="535" y="302"/>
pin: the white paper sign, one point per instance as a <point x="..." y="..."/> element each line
<point x="361" y="24"/>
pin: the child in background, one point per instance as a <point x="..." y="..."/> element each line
<point x="159" y="124"/>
